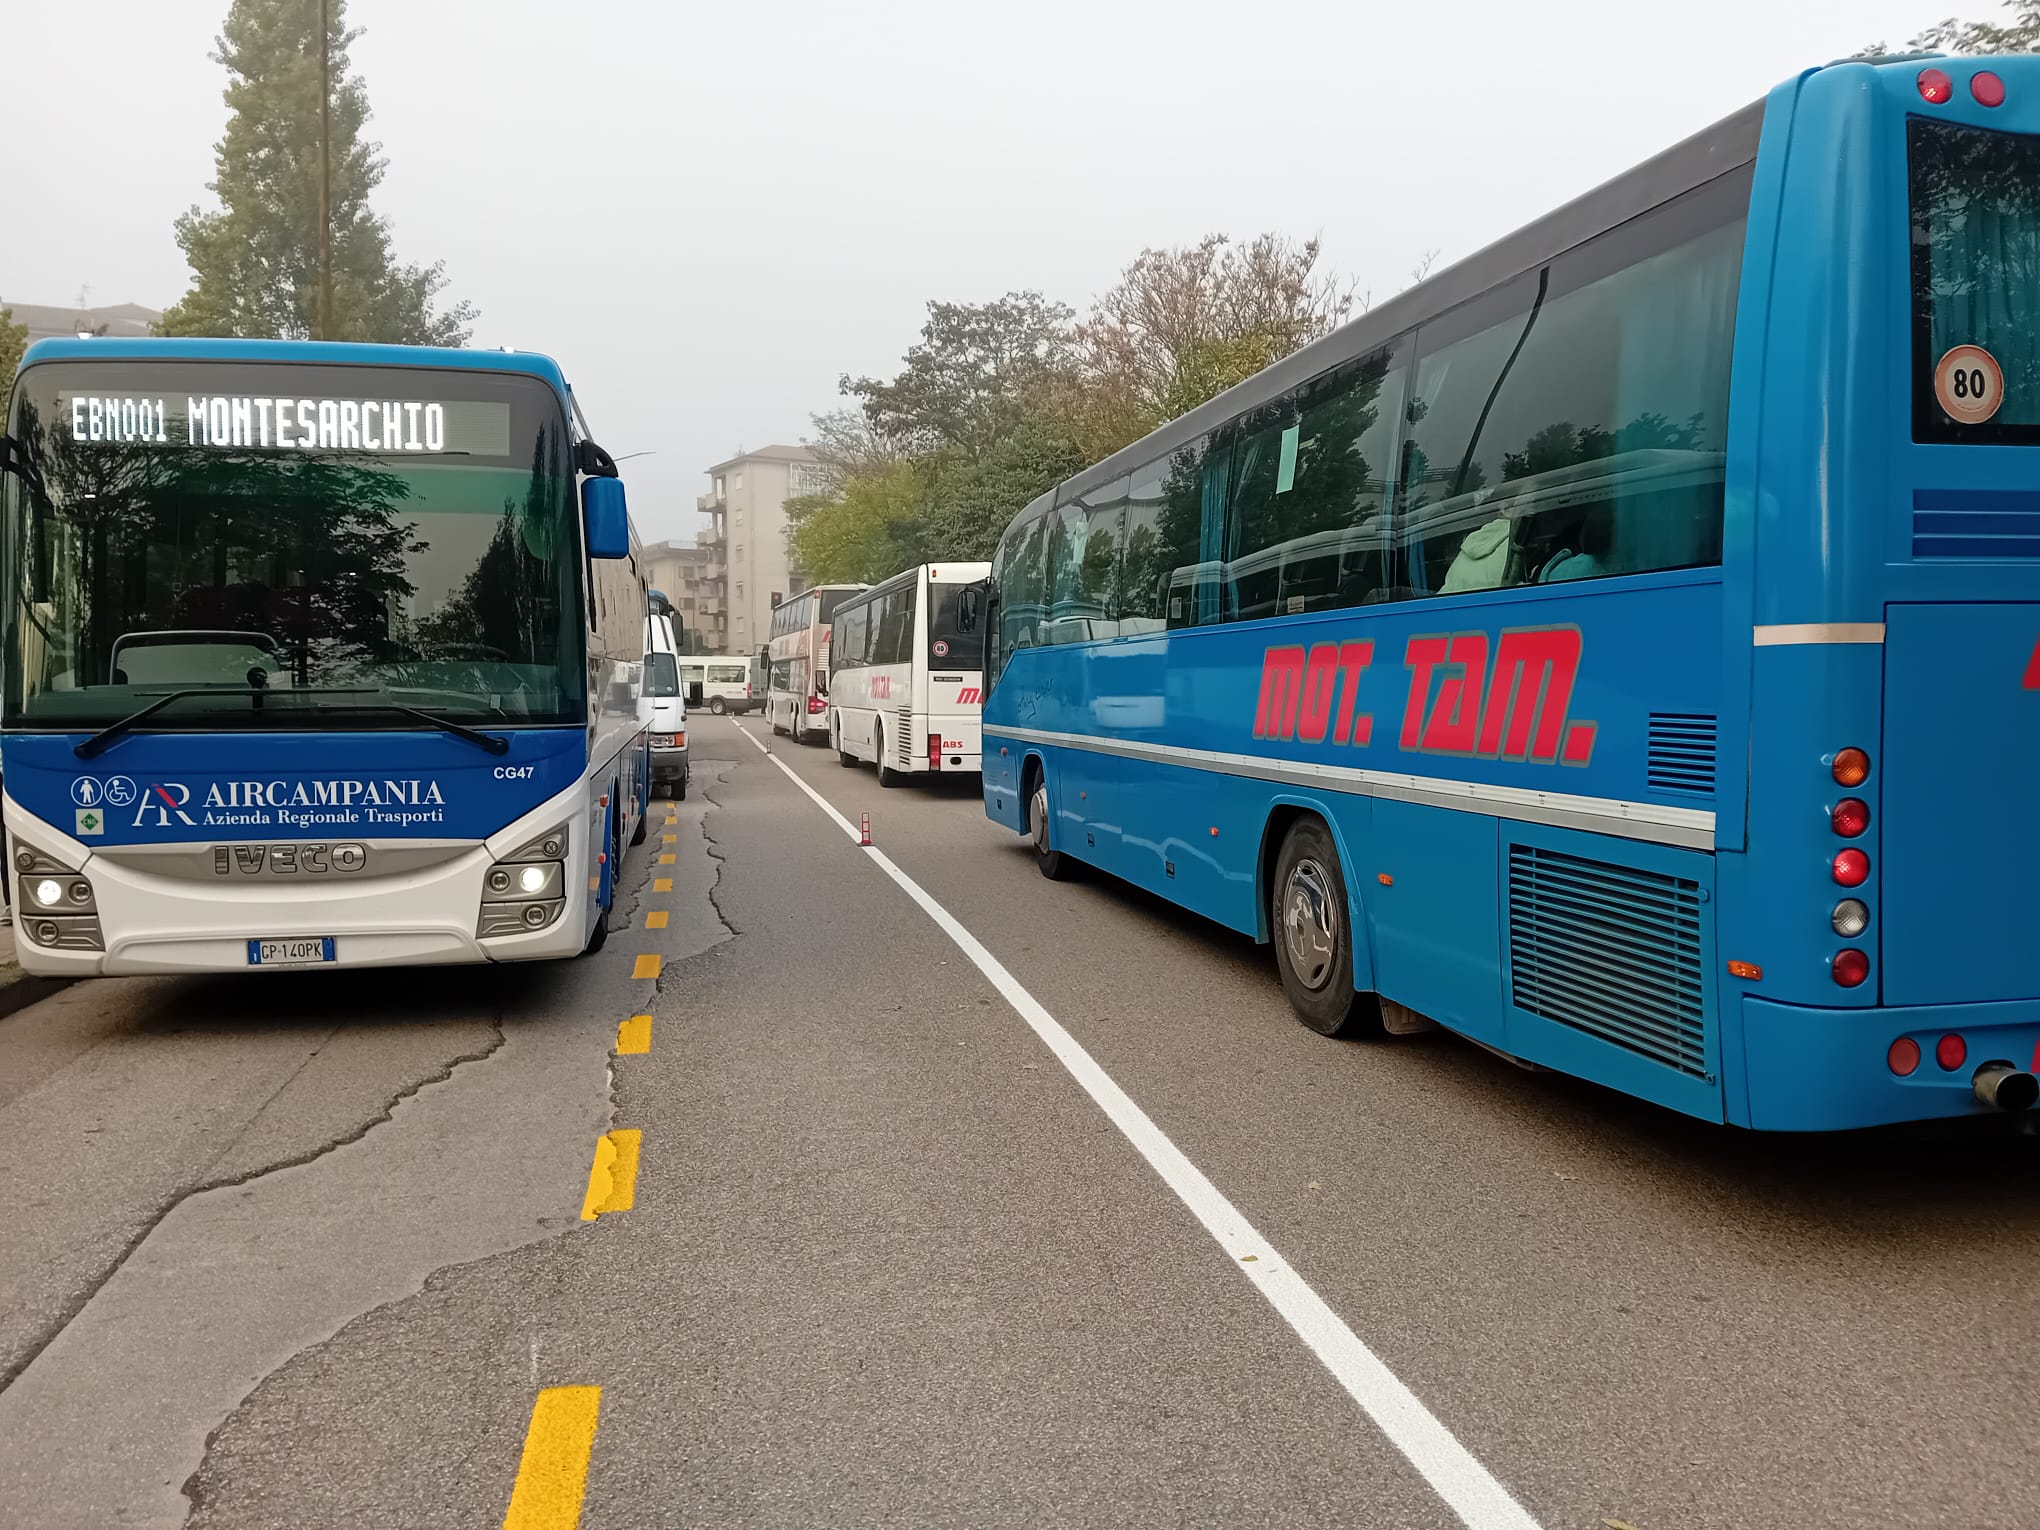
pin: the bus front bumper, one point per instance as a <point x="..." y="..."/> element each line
<point x="150" y="923"/>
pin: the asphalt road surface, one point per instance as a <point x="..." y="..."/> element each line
<point x="933" y="1193"/>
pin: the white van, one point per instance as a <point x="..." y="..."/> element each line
<point x="665" y="708"/>
<point x="726" y="684"/>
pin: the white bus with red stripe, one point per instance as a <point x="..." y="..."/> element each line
<point x="907" y="676"/>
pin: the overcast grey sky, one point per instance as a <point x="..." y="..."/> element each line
<point x="708" y="212"/>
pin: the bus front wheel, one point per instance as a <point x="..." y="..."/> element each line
<point x="1307" y="915"/>
<point x="599" y="936"/>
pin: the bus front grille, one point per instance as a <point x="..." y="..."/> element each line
<point x="1610" y="950"/>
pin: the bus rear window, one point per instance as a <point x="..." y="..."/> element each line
<point x="1976" y="283"/>
<point x="949" y="646"/>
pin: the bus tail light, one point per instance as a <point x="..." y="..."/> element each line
<point x="1851" y="967"/>
<point x="817" y="705"/>
<point x="1951" y="1051"/>
<point x="1851" y="767"/>
<point x="935" y="748"/>
<point x="1850" y="817"/>
<point x="1988" y="89"/>
<point x="1850" y="918"/>
<point x="1904" y="1056"/>
<point x="1852" y="868"/>
<point x="1936" y="87"/>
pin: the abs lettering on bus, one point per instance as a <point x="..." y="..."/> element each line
<point x="1506" y="698"/>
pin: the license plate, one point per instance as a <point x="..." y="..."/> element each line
<point x="299" y="951"/>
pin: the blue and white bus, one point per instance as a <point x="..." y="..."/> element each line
<point x="1619" y="649"/>
<point x="314" y="655"/>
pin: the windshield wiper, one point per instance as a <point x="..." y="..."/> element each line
<point x="106" y="737"/>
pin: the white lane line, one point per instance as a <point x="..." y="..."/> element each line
<point x="1468" y="1488"/>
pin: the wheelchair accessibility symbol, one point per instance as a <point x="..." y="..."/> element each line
<point x="114" y="791"/>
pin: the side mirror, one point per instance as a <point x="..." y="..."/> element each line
<point x="605" y="518"/>
<point x="694" y="693"/>
<point x="969" y="606"/>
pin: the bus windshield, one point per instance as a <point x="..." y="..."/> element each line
<point x="333" y="538"/>
<point x="662" y="675"/>
<point x="949" y="646"/>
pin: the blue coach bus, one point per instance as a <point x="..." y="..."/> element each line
<point x="1618" y="649"/>
<point x="313" y="655"/>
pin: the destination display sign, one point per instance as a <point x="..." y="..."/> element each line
<point x="387" y="427"/>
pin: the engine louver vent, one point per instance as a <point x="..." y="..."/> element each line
<point x="1609" y="950"/>
<point x="1682" y="753"/>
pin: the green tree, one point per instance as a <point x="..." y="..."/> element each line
<point x="255" y="261"/>
<point x="970" y="504"/>
<point x="871" y="527"/>
<point x="2019" y="35"/>
<point x="13" y="341"/>
<point x="979" y="370"/>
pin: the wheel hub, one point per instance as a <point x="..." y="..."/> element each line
<point x="1037" y="815"/>
<point x="1310" y="924"/>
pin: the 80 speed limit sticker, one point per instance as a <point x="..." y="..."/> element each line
<point x="1969" y="385"/>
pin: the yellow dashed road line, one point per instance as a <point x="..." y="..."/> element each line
<point x="634" y="1036"/>
<point x="647" y="965"/>
<point x="554" y="1472"/>
<point x="612" y="1178"/>
<point x="656" y="921"/>
<point x="668" y="858"/>
<point x="662" y="884"/>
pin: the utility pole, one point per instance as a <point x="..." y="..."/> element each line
<point x="325" y="171"/>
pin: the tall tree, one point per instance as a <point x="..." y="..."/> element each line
<point x="979" y="369"/>
<point x="2021" y="34"/>
<point x="255" y="262"/>
<point x="1184" y="325"/>
<point x="13" y="341"/>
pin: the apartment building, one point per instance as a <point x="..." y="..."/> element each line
<point x="746" y="535"/>
<point x="690" y="576"/>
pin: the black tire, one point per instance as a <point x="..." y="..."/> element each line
<point x="599" y="937"/>
<point x="715" y="705"/>
<point x="1308" y="919"/>
<point x="843" y="756"/>
<point x="644" y="819"/>
<point x="1051" y="863"/>
<point x="887" y="776"/>
<point x="680" y="790"/>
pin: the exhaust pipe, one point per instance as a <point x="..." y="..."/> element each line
<point x="2004" y="1087"/>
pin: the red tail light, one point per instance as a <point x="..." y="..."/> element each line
<point x="1950" y="1052"/>
<point x="816" y="705"/>
<point x="1851" y="967"/>
<point x="1903" y="1057"/>
<point x="1988" y="89"/>
<point x="934" y="748"/>
<point x="1851" y="816"/>
<point x="1852" y="868"/>
<point x="1936" y="86"/>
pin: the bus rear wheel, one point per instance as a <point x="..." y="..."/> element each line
<point x="715" y="705"/>
<point x="1051" y="863"/>
<point x="843" y="756"/>
<point x="887" y="776"/>
<point x="1307" y="916"/>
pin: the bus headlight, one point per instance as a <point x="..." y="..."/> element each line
<point x="59" y="910"/>
<point x="526" y="890"/>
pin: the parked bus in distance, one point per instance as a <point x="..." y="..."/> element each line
<point x="1613" y="648"/>
<point x="797" y="687"/>
<point x="315" y="655"/>
<point x="908" y="678"/>
<point x="726" y="684"/>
